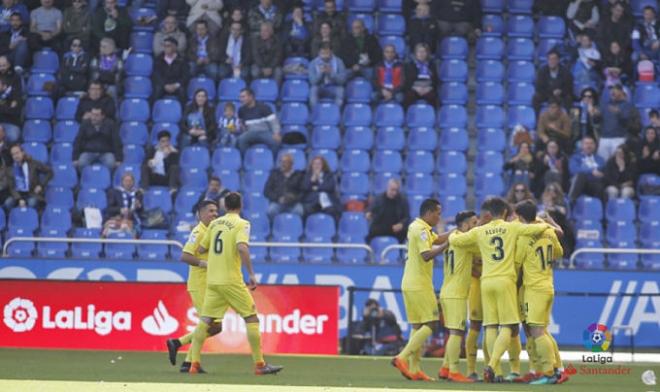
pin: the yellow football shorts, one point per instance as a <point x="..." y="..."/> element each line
<point x="220" y="297"/>
<point x="538" y="307"/>
<point x="474" y="300"/>
<point x="197" y="297"/>
<point x="454" y="311"/>
<point x="500" y="302"/>
<point x="421" y="306"/>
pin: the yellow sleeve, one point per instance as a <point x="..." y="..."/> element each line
<point x="243" y="234"/>
<point x="521" y="252"/>
<point x="206" y="241"/>
<point x="463" y="240"/>
<point x="423" y="240"/>
<point x="191" y="245"/>
<point x="558" y="250"/>
<point x="530" y="229"/>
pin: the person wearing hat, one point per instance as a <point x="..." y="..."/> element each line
<point x="170" y="73"/>
<point x="161" y="168"/>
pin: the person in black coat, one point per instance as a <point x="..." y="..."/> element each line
<point x="14" y="42"/>
<point x="198" y="123"/>
<point x="458" y="17"/>
<point x="329" y="14"/>
<point x="389" y="214"/>
<point x="421" y="78"/>
<point x="97" y="142"/>
<point x="75" y="68"/>
<point x="319" y="188"/>
<point x="124" y="201"/>
<point x="162" y="165"/>
<point x="283" y="188"/>
<point x="171" y="72"/>
<point x="96" y="98"/>
<point x="553" y="80"/>
<point x="422" y="27"/>
<point x="360" y="51"/>
<point x="235" y="61"/>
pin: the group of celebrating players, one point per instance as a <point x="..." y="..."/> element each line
<point x="497" y="265"/>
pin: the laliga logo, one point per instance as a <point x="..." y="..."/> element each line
<point x="20" y="315"/>
<point x="597" y="338"/>
<point x="160" y="323"/>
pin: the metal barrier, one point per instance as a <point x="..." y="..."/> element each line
<point x="322" y="245"/>
<point x="638" y="251"/>
<point x="390" y="248"/>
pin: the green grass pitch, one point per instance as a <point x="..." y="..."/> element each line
<point x="300" y="373"/>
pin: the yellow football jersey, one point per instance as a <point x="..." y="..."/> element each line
<point x="497" y="243"/>
<point x="457" y="272"/>
<point x="196" y="275"/>
<point x="537" y="253"/>
<point x="221" y="240"/>
<point x="417" y="273"/>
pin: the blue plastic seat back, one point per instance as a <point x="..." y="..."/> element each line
<point x="37" y="131"/>
<point x="588" y="208"/>
<point x="354" y="185"/>
<point x="454" y="139"/>
<point x="452" y="184"/>
<point x="320" y="227"/>
<point x="167" y="110"/>
<point x="37" y="84"/>
<point x="133" y="132"/>
<point x="95" y="176"/>
<point x="139" y="64"/>
<point x="649" y="209"/>
<point x="491" y="139"/>
<point x="491" y="48"/>
<point x="295" y="90"/>
<point x="453" y="70"/>
<point x="92" y="197"/>
<point x="137" y="87"/>
<point x="520" y="49"/>
<point x="265" y="89"/>
<point x="452" y="116"/>
<point x="356" y="115"/>
<point x="422" y="138"/>
<point x="391" y="24"/>
<point x="258" y="157"/>
<point x="158" y="197"/>
<point x="45" y="60"/>
<point x="521" y="71"/>
<point x="59" y="197"/>
<point x="56" y="217"/>
<point x="65" y="131"/>
<point x="230" y="88"/>
<point x="520" y="26"/>
<point x="451" y="162"/>
<point x="419" y="162"/>
<point x="355" y="161"/>
<point x="490" y="71"/>
<point x="227" y="158"/>
<point x="201" y="83"/>
<point x="353" y="224"/>
<point x="134" y="109"/>
<point x="39" y="108"/>
<point x="326" y="136"/>
<point x="358" y="138"/>
<point x="66" y="108"/>
<point x="387" y="161"/>
<point x="195" y="156"/>
<point x="64" y="176"/>
<point x="378" y="244"/>
<point x="294" y="113"/>
<point x="453" y="93"/>
<point x="454" y="48"/>
<point x="620" y="209"/>
<point x="325" y="113"/>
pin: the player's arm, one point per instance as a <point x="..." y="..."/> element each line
<point x="557" y="249"/>
<point x="558" y="230"/>
<point x="192" y="260"/>
<point x="204" y="244"/>
<point x="463" y="240"/>
<point x="244" y="253"/>
<point x="442" y="238"/>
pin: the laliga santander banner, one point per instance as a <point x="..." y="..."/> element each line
<point x="141" y="316"/>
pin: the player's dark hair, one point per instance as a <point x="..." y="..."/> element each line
<point x="216" y="179"/>
<point x="463" y="216"/>
<point x="205" y="203"/>
<point x="496" y="206"/>
<point x="526" y="209"/>
<point x="233" y="201"/>
<point x="428" y="205"/>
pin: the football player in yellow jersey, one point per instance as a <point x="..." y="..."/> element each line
<point x="207" y="211"/>
<point x="457" y="275"/>
<point x="496" y="240"/>
<point x="226" y="241"/>
<point x="417" y="287"/>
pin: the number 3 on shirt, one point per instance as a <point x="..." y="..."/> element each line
<point x="217" y="243"/>
<point x="498" y="242"/>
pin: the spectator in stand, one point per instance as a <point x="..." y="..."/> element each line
<point x="28" y="180"/>
<point x="7" y="71"/>
<point x="170" y="75"/>
<point x="124" y="206"/>
<point x="586" y="71"/>
<point x="615" y="28"/>
<point x="45" y="26"/>
<point x="327" y="76"/>
<point x="236" y="15"/>
<point x="325" y="35"/>
<point x="458" y="17"/>
<point x="111" y="21"/>
<point x="267" y="54"/>
<point x="235" y="52"/>
<point x="96" y="98"/>
<point x="216" y="192"/>
<point x="14" y="42"/>
<point x="553" y="80"/>
<point x="617" y="67"/>
<point x="550" y="8"/>
<point x="266" y="11"/>
<point x="5" y="155"/>
<point x="283" y="189"/>
<point x="606" y="9"/>
<point x="319" y="189"/>
<point x="586" y="115"/>
<point x="422" y="28"/>
<point x="360" y="51"/>
<point x="74" y="69"/>
<point x="620" y="175"/>
<point x="9" y="8"/>
<point x="519" y="192"/>
<point x="204" y="52"/>
<point x="617" y="118"/>
<point x="646" y="37"/>
<point x="198" y="123"/>
<point x="169" y="28"/>
<point x="553" y="168"/>
<point x="11" y="106"/>
<point x="208" y="10"/>
<point x="389" y="214"/>
<point x="107" y="67"/>
<point x="97" y="142"/>
<point x="654" y="118"/>
<point x="555" y="124"/>
<point x="389" y="77"/>
<point x="650" y="152"/>
<point x="554" y="203"/>
<point x="586" y="168"/>
<point x="297" y="34"/>
<point x="582" y="16"/>
<point x="258" y="123"/>
<point x="162" y="165"/>
<point x="420" y="77"/>
<point x="77" y="23"/>
<point x="229" y="126"/>
<point x="523" y="167"/>
<point x="335" y="19"/>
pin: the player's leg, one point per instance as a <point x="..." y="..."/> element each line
<point x="455" y="314"/>
<point x="173" y="345"/>
<point x="539" y="306"/>
<point x="476" y="318"/>
<point x="489" y="300"/>
<point x="508" y="319"/>
<point x="213" y="309"/>
<point x="515" y="348"/>
<point x="422" y="311"/>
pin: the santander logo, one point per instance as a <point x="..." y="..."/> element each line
<point x="160" y="323"/>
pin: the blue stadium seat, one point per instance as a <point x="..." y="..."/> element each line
<point x="647" y="96"/>
<point x="378" y="244"/>
<point x="452" y="184"/>
<point x="387" y="161"/>
<point x="123" y="169"/>
<point x="490" y="116"/>
<point x="142" y="13"/>
<point x="158" y="197"/>
<point x="142" y="42"/>
<point x="56" y="218"/>
<point x="622" y="234"/>
<point x="454" y="48"/>
<point x="488" y="184"/>
<point x="520" y="93"/>
<point x="389" y="115"/>
<point x="61" y="153"/>
<point x="390" y="138"/>
<point x="39" y="108"/>
<point x="86" y="250"/>
<point x="520" y="49"/>
<point x="229" y="89"/>
<point x="353" y="228"/>
<point x="255" y="204"/>
<point x="66" y="108"/>
<point x="92" y="197"/>
<point x="356" y="115"/>
<point x="138" y="64"/>
<point x="521" y="71"/>
<point x="38" y="151"/>
<point x="620" y="210"/>
<point x="258" y="157"/>
<point x="172" y="128"/>
<point x="358" y="138"/>
<point x="298" y="155"/>
<point x="319" y="228"/>
<point x="185" y="200"/>
<point x="422" y="138"/>
<point x="649" y="236"/>
<point x="490" y="93"/>
<point x="195" y="156"/>
<point x="419" y="184"/>
<point x="65" y="131"/>
<point x="452" y="205"/>
<point x="201" y="83"/>
<point x="355" y="161"/>
<point x="59" y="197"/>
<point x="325" y="136"/>
<point x="453" y="93"/>
<point x="494" y="6"/>
<point x="64" y="176"/>
<point x="394" y="6"/>
<point x="153" y="252"/>
<point x="56" y="250"/>
<point x="230" y="178"/>
<point x="493" y="139"/>
<point x="166" y="110"/>
<point x="638" y="6"/>
<point x="492" y="25"/>
<point x="380" y="179"/>
<point x="520" y="6"/>
<point x="294" y="113"/>
<point x="23" y="221"/>
<point x="137" y="87"/>
<point x="589" y="260"/>
<point x="294" y="61"/>
<point x="490" y="48"/>
<point x="391" y="24"/>
<point x="286" y="228"/>
<point x="119" y="251"/>
<point x="420" y="115"/>
<point x="414" y="202"/>
<point x="45" y="61"/>
<point x="354" y="185"/>
<point x="134" y="110"/>
<point x="520" y="26"/>
<point x="95" y="176"/>
<point x="488" y="161"/>
<point x="330" y="157"/>
<point x="255" y="180"/>
<point x="226" y="158"/>
<point x="589" y="228"/>
<point x="133" y="154"/>
<point x="325" y="113"/>
<point x="645" y="181"/>
<point x="294" y="90"/>
<point x="37" y="131"/>
<point x="551" y="27"/>
<point x="367" y="18"/>
<point x="453" y="70"/>
<point x="419" y="162"/>
<point x="523" y="115"/>
<point x="544" y="46"/>
<point x="452" y="116"/>
<point x="587" y="208"/>
<point x="649" y="209"/>
<point x="194" y="178"/>
<point x="454" y="139"/>
<point x="134" y="132"/>
<point x="490" y="71"/>
<point x="397" y="41"/>
<point x="451" y="162"/>
<point x="265" y="89"/>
